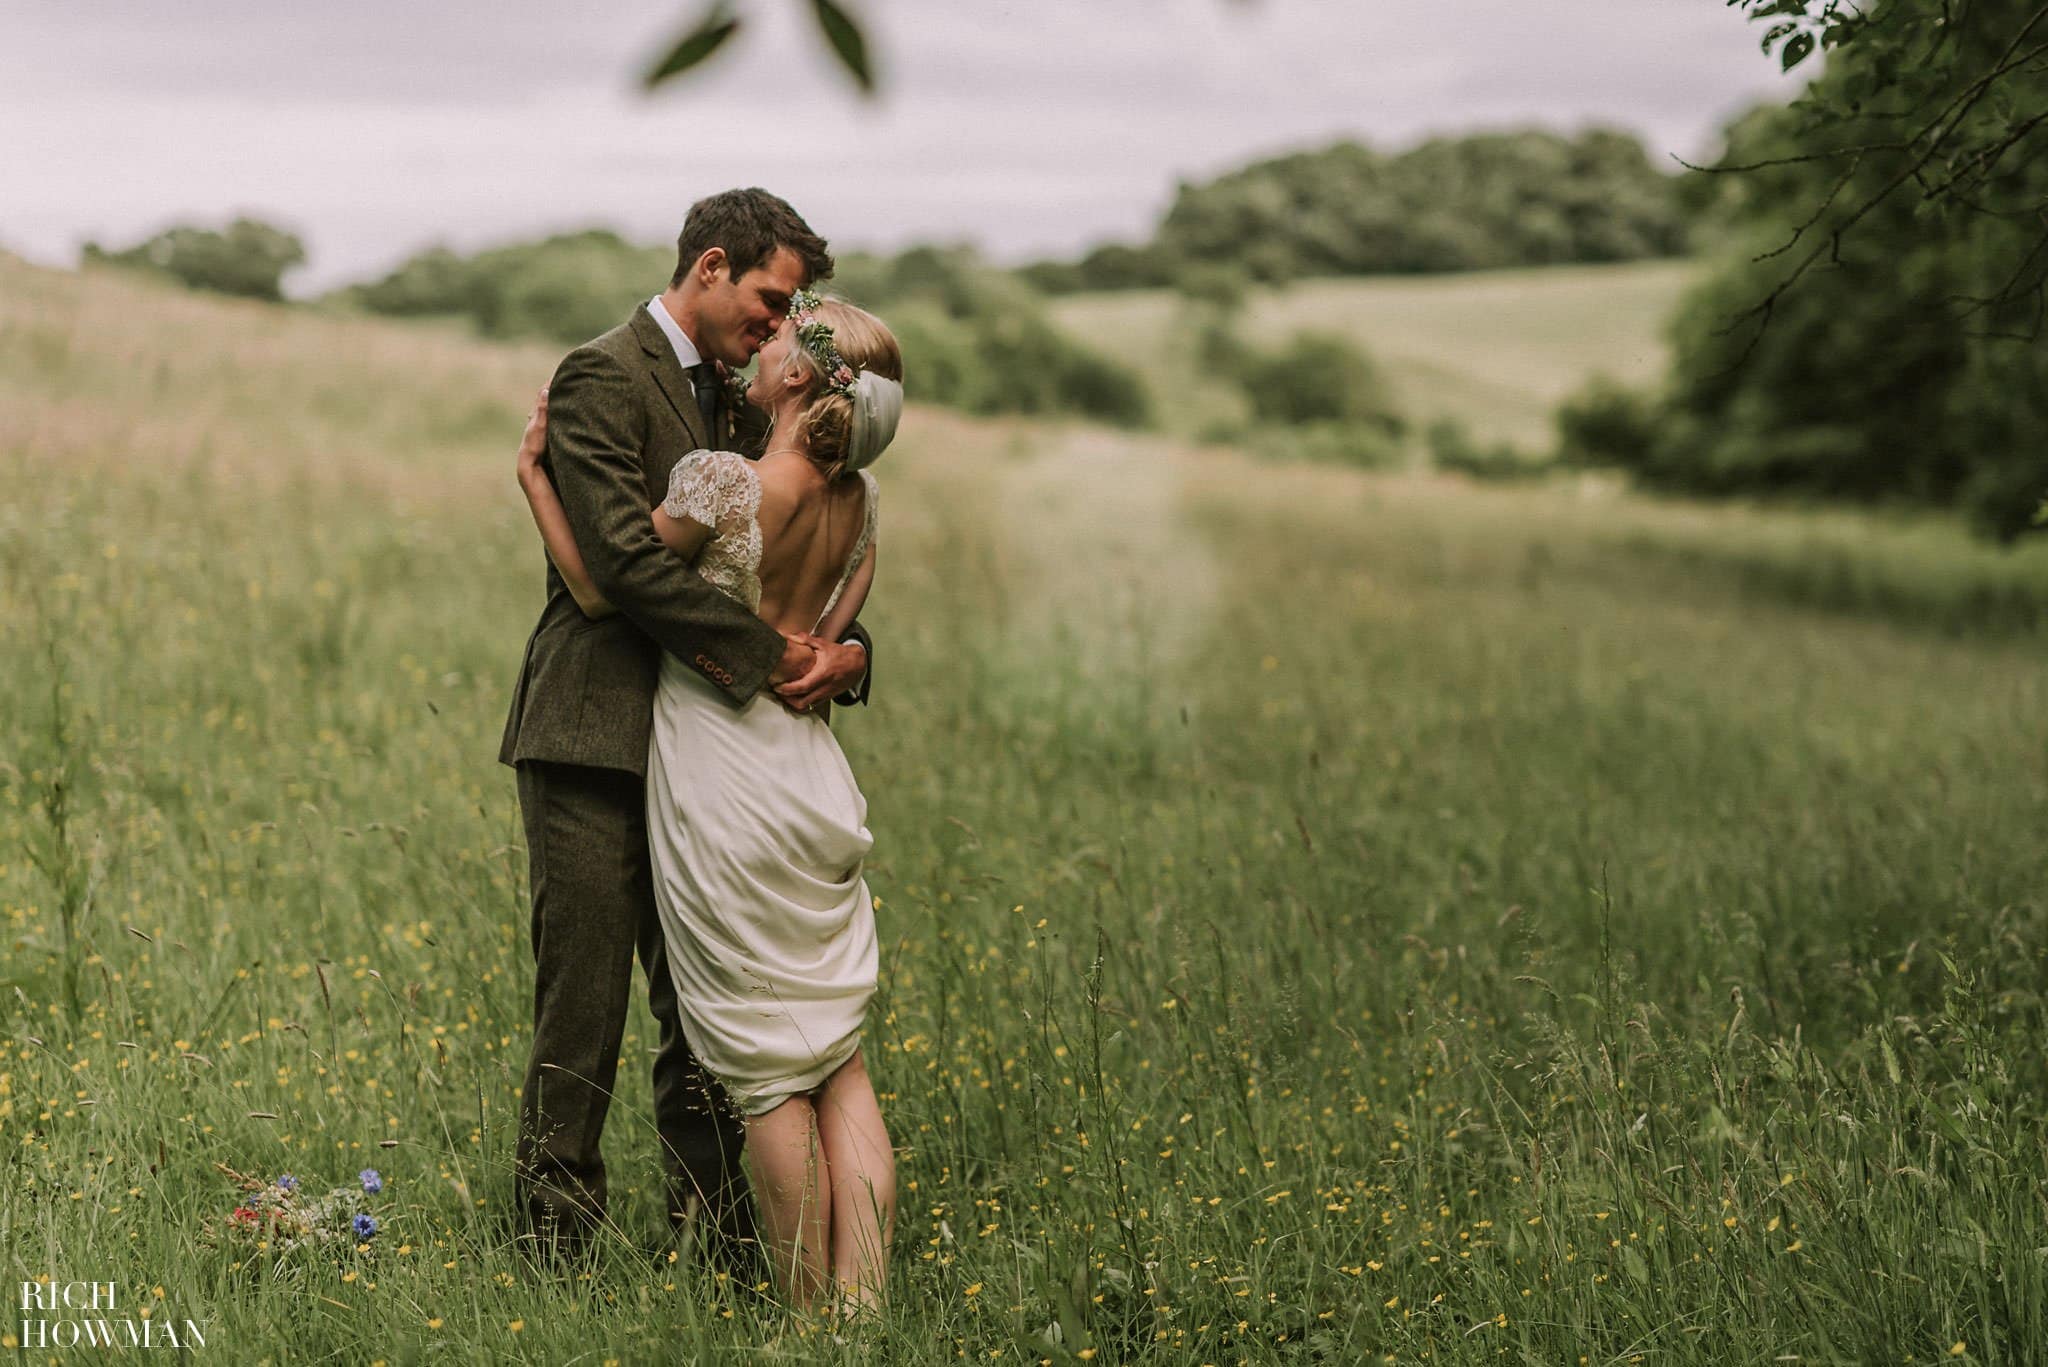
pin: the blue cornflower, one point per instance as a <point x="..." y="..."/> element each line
<point x="288" y="1183"/>
<point x="372" y="1183"/>
<point x="364" y="1226"/>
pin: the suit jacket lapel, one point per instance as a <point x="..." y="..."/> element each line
<point x="668" y="374"/>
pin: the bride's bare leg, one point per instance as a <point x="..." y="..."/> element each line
<point x="796" y="1204"/>
<point x="861" y="1171"/>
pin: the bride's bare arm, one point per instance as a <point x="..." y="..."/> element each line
<point x="682" y="535"/>
<point x="679" y="534"/>
<point x="548" y="516"/>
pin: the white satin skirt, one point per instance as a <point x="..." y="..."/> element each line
<point x="757" y="831"/>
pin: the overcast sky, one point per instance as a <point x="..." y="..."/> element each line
<point x="1034" y="127"/>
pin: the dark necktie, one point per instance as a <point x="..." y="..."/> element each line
<point x="704" y="375"/>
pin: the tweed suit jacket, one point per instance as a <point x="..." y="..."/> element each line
<point x="621" y="413"/>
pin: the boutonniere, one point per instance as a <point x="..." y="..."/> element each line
<point x="735" y="385"/>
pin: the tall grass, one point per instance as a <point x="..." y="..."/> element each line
<point x="1325" y="917"/>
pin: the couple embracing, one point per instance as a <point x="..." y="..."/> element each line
<point x="710" y="543"/>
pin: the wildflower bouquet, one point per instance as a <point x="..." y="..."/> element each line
<point x="282" y="1215"/>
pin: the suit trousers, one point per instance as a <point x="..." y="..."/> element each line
<point x="593" y="911"/>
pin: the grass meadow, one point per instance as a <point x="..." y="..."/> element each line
<point x="1327" y="917"/>
<point x="1495" y="350"/>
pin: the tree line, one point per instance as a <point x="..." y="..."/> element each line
<point x="1476" y="202"/>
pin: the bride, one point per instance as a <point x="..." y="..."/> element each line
<point x="755" y="824"/>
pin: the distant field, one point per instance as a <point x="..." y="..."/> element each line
<point x="1326" y="917"/>
<point x="1496" y="349"/>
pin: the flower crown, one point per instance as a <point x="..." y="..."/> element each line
<point x="816" y="335"/>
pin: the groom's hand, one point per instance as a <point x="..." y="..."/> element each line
<point x="837" y="668"/>
<point x="799" y="660"/>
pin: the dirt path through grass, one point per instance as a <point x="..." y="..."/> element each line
<point x="1111" y="576"/>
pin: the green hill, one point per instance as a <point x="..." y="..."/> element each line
<point x="1496" y="349"/>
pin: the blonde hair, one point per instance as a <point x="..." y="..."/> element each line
<point x="865" y="343"/>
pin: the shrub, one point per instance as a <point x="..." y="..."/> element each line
<point x="249" y="259"/>
<point x="1102" y="389"/>
<point x="1219" y="341"/>
<point x="940" y="362"/>
<point x="566" y="288"/>
<point x="1119" y="267"/>
<point x="978" y="339"/>
<point x="1363" y="445"/>
<point x="1220" y="288"/>
<point x="1605" y="423"/>
<point x="1318" y="377"/>
<point x="436" y="281"/>
<point x="1453" y="447"/>
<point x="1053" y="277"/>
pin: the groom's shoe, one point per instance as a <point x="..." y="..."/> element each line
<point x="724" y="1241"/>
<point x="737" y="1259"/>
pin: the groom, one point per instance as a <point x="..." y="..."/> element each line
<point x="622" y="410"/>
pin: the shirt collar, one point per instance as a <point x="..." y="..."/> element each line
<point x="686" y="350"/>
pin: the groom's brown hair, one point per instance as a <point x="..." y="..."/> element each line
<point x="749" y="224"/>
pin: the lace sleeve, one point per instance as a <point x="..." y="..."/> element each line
<point x="712" y="488"/>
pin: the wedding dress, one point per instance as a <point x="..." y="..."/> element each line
<point x="757" y="831"/>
